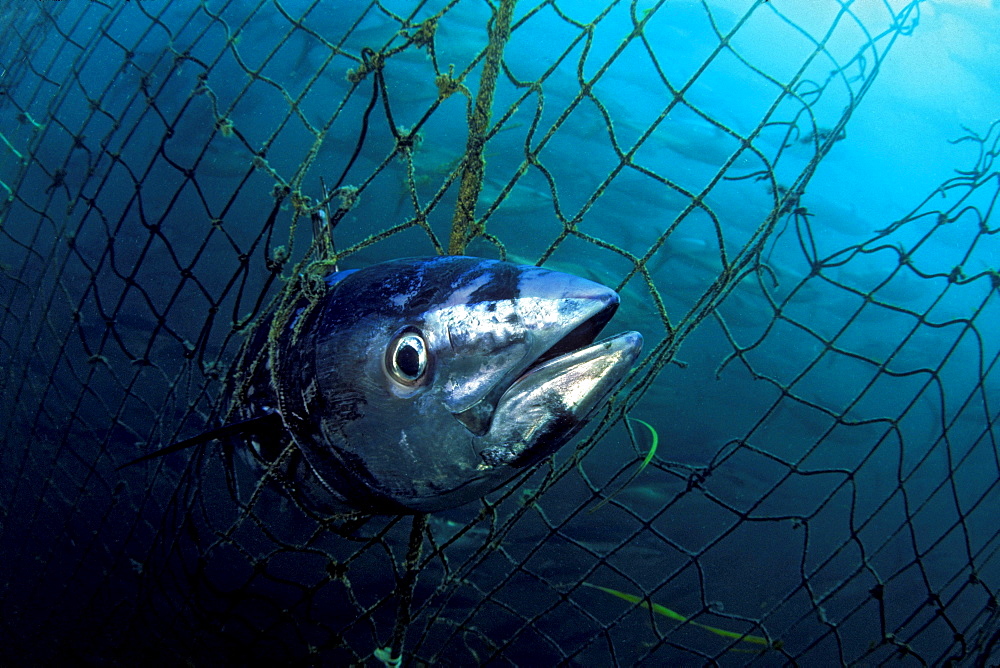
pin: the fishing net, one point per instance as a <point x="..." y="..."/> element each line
<point x="824" y="485"/>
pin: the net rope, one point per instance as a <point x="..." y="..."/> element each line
<point x="826" y="484"/>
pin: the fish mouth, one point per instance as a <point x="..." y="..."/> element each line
<point x="580" y="365"/>
<point x="579" y="337"/>
<point x="555" y="395"/>
<point x="581" y="313"/>
<point x="552" y="401"/>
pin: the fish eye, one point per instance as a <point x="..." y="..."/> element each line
<point x="406" y="357"/>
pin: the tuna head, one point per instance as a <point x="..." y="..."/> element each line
<point x="422" y="384"/>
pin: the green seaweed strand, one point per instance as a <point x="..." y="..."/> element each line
<point x="645" y="462"/>
<point x="667" y="612"/>
<point x="652" y="447"/>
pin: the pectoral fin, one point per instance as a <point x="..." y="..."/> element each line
<point x="260" y="423"/>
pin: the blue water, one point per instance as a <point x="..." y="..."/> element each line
<point x="826" y="475"/>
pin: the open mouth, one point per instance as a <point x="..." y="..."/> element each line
<point x="572" y="378"/>
<point x="555" y="397"/>
<point x="581" y="368"/>
<point x="581" y="336"/>
<point x="591" y="311"/>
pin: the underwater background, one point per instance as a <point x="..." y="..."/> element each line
<point x="794" y="200"/>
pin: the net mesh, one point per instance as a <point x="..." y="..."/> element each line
<point x="825" y="486"/>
